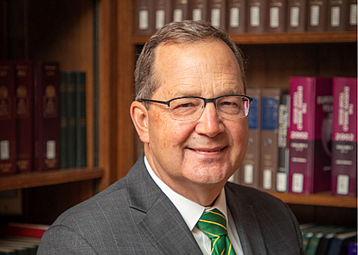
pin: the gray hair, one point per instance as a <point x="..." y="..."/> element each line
<point x="179" y="33"/>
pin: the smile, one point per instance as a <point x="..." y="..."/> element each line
<point x="208" y="150"/>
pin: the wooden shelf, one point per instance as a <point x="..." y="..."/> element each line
<point x="37" y="179"/>
<point x="282" y="38"/>
<point x="319" y="199"/>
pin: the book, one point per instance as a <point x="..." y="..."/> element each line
<point x="199" y="10"/>
<point x="352" y="15"/>
<point x="317" y="15"/>
<point x="180" y="10"/>
<point x="81" y="127"/>
<point x="283" y="149"/>
<point x="26" y="230"/>
<point x="46" y="116"/>
<point x="256" y="16"/>
<point x="352" y="248"/>
<point x="3" y="29"/>
<point x="318" y="236"/>
<point x="24" y="115"/>
<point x="310" y="134"/>
<point x="237" y="16"/>
<point x="163" y="13"/>
<point x="71" y="118"/>
<point x="344" y="136"/>
<point x="270" y="101"/>
<point x="336" y="16"/>
<point x="276" y="16"/>
<point x="64" y="121"/>
<point x="339" y="243"/>
<point x="249" y="173"/>
<point x="217" y="12"/>
<point x="144" y="17"/>
<point x="7" y="119"/>
<point x="296" y="16"/>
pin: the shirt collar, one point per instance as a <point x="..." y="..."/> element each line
<point x="189" y="210"/>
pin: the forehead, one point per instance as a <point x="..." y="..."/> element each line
<point x="207" y="67"/>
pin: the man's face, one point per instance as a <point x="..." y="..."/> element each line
<point x="206" y="151"/>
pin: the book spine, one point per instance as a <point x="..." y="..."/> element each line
<point x="250" y="167"/>
<point x="270" y="102"/>
<point x="296" y="16"/>
<point x="310" y="123"/>
<point x="336" y="16"/>
<point x="217" y="9"/>
<point x="352" y="15"/>
<point x="317" y="15"/>
<point x="64" y="121"/>
<point x="180" y="10"/>
<point x="24" y="115"/>
<point x="71" y="118"/>
<point x="276" y="16"/>
<point x="256" y="16"/>
<point x="163" y="13"/>
<point x="7" y="119"/>
<point x="81" y="136"/>
<point x="47" y="116"/>
<point x="199" y="10"/>
<point x="283" y="151"/>
<point x="344" y="137"/>
<point x="144" y="17"/>
<point x="236" y="16"/>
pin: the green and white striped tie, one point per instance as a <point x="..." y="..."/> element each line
<point x="213" y="224"/>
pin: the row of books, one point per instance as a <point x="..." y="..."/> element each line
<point x="249" y="16"/>
<point x="34" y="115"/>
<point x="20" y="238"/>
<point x="329" y="239"/>
<point x="303" y="140"/>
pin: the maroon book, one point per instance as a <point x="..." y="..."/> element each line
<point x="24" y="115"/>
<point x="317" y="15"/>
<point x="180" y="10"/>
<point x="310" y="134"/>
<point x="217" y="12"/>
<point x="199" y="10"/>
<point x="7" y="119"/>
<point x="47" y="116"/>
<point x="256" y="16"/>
<point x="144" y="17"/>
<point x="163" y="13"/>
<point x="296" y="16"/>
<point x="352" y="15"/>
<point x="236" y="16"/>
<point x="344" y="136"/>
<point x="276" y="16"/>
<point x="336" y="16"/>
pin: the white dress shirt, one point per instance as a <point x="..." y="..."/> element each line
<point x="191" y="213"/>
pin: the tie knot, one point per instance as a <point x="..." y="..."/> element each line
<point x="213" y="223"/>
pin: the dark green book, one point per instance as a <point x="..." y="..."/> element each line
<point x="81" y="139"/>
<point x="71" y="118"/>
<point x="64" y="122"/>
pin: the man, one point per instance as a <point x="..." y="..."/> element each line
<point x="191" y="114"/>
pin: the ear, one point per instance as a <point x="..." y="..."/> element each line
<point x="139" y="115"/>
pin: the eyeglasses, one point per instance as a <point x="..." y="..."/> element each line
<point x="190" y="108"/>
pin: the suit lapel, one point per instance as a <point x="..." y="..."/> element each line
<point x="246" y="224"/>
<point x="156" y="216"/>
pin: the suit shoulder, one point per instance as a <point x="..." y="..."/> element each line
<point x="252" y="196"/>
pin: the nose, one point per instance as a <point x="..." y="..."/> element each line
<point x="210" y="122"/>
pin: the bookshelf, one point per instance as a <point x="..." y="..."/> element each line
<point x="271" y="60"/>
<point x="97" y="37"/>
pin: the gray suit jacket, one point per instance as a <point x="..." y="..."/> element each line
<point x="133" y="216"/>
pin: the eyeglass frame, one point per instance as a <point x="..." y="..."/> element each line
<point x="206" y="100"/>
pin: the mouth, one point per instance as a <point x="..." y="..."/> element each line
<point x="208" y="150"/>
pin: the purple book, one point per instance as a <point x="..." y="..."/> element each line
<point x="310" y="134"/>
<point x="344" y="137"/>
